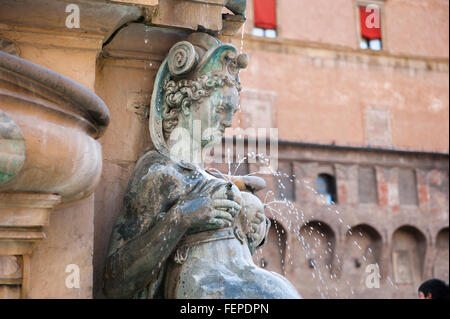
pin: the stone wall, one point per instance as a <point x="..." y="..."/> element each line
<point x="328" y="91"/>
<point x="70" y="230"/>
<point x="409" y="27"/>
<point x="125" y="75"/>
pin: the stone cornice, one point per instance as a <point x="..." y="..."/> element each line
<point x="79" y="99"/>
<point x="327" y="52"/>
<point x="99" y="18"/>
<point x="140" y="46"/>
<point x="349" y="155"/>
<point x="44" y="38"/>
<point x="138" y="2"/>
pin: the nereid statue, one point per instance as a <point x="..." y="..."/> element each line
<point x="183" y="232"/>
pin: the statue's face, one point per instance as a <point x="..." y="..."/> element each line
<point x="215" y="113"/>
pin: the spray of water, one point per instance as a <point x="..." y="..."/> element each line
<point x="317" y="246"/>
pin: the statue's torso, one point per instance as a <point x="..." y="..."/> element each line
<point x="222" y="268"/>
<point x="217" y="264"/>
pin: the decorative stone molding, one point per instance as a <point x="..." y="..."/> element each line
<point x="49" y="157"/>
<point x="327" y="55"/>
<point x="99" y="19"/>
<point x="201" y="14"/>
<point x="139" y="2"/>
<point x="60" y="121"/>
<point x="22" y="216"/>
<point x="9" y="46"/>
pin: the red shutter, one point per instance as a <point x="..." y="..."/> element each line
<point x="367" y="29"/>
<point x="265" y="14"/>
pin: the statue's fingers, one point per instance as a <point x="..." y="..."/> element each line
<point x="223" y="215"/>
<point x="253" y="237"/>
<point x="234" y="212"/>
<point x="227" y="205"/>
<point x="256" y="222"/>
<point x="219" y="223"/>
<point x="211" y="186"/>
<point x="259" y="218"/>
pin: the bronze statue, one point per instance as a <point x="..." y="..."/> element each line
<point x="236" y="6"/>
<point x="183" y="232"/>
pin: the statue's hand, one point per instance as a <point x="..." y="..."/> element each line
<point x="258" y="228"/>
<point x="200" y="210"/>
<point x="254" y="221"/>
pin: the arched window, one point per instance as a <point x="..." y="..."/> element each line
<point x="408" y="255"/>
<point x="326" y="186"/>
<point x="316" y="257"/>
<point x="272" y="256"/>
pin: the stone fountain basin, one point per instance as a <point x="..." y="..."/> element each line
<point x="48" y="130"/>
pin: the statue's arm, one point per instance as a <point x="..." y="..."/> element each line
<point x="137" y="263"/>
<point x="146" y="232"/>
<point x="152" y="224"/>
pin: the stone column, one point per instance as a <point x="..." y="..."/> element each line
<point x="385" y="260"/>
<point x="429" y="259"/>
<point x="305" y="175"/>
<point x="347" y="183"/>
<point x="387" y="183"/>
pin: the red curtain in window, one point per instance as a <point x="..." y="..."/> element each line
<point x="265" y="14"/>
<point x="369" y="27"/>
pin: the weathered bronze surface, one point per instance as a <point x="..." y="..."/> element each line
<point x="236" y="6"/>
<point x="182" y="232"/>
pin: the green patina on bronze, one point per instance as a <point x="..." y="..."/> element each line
<point x="236" y="6"/>
<point x="183" y="232"/>
<point x="12" y="148"/>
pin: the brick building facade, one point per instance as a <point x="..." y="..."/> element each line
<point x="362" y="119"/>
<point x="371" y="124"/>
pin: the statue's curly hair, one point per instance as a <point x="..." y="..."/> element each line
<point x="184" y="93"/>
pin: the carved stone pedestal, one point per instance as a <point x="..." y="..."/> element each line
<point x="49" y="157"/>
<point x="22" y="216"/>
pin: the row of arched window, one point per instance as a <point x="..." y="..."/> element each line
<point x="363" y="246"/>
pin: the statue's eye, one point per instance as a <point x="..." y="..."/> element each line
<point x="220" y="109"/>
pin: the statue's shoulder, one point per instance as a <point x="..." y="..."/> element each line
<point x="153" y="161"/>
<point x="153" y="157"/>
<point x="153" y="175"/>
<point x="154" y="164"/>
